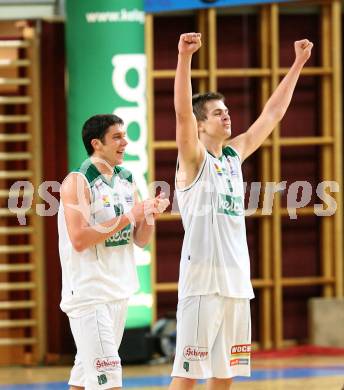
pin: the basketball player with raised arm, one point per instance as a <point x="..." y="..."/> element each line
<point x="213" y="314"/>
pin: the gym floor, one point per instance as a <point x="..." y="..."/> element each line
<point x="274" y="373"/>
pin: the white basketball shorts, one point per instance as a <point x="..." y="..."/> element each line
<point x="213" y="337"/>
<point x="97" y="336"/>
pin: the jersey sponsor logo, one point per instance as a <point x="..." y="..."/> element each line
<point x="240" y="355"/>
<point x="109" y="363"/>
<point x="120" y="238"/>
<point x="230" y="205"/>
<point x="218" y="169"/>
<point x="106" y="200"/>
<point x="129" y="199"/>
<point x="239" y="362"/>
<point x="195" y="353"/>
<point x="242" y="348"/>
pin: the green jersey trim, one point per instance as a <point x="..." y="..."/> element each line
<point x="92" y="174"/>
<point x="228" y="151"/>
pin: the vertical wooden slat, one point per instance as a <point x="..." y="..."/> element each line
<point x="202" y="28"/>
<point x="265" y="223"/>
<point x="212" y="51"/>
<point x="149" y="48"/>
<point x="37" y="239"/>
<point x="338" y="143"/>
<point x="5" y="355"/>
<point x="276" y="175"/>
<point x="327" y="257"/>
<point x="54" y="166"/>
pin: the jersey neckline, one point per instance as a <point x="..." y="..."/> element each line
<point x="227" y="151"/>
<point x="92" y="174"/>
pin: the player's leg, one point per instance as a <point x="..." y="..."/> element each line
<point x="186" y="311"/>
<point x="77" y="376"/>
<point x="218" y="384"/>
<point x="182" y="383"/>
<point x="232" y="346"/>
<point x="198" y="320"/>
<point x="96" y="338"/>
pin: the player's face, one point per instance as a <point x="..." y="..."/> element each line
<point x="218" y="122"/>
<point x="114" y="144"/>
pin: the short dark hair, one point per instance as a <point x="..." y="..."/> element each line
<point x="96" y="127"/>
<point x="199" y="100"/>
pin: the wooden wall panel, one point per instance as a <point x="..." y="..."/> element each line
<point x="54" y="131"/>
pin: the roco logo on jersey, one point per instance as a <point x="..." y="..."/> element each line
<point x="230" y="205"/>
<point x="120" y="238"/>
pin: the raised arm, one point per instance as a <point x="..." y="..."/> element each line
<point x="276" y="106"/>
<point x="190" y="149"/>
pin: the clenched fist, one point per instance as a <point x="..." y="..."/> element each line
<point x="303" y="50"/>
<point x="189" y="43"/>
<point x="155" y="206"/>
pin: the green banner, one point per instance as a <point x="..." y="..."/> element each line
<point x="107" y="74"/>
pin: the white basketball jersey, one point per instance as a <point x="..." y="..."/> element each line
<point x="104" y="272"/>
<point x="215" y="258"/>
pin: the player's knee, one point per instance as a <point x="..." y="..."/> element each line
<point x="189" y="381"/>
<point x="183" y="383"/>
<point x="217" y="383"/>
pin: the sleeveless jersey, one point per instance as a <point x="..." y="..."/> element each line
<point x="215" y="258"/>
<point x="104" y="272"/>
